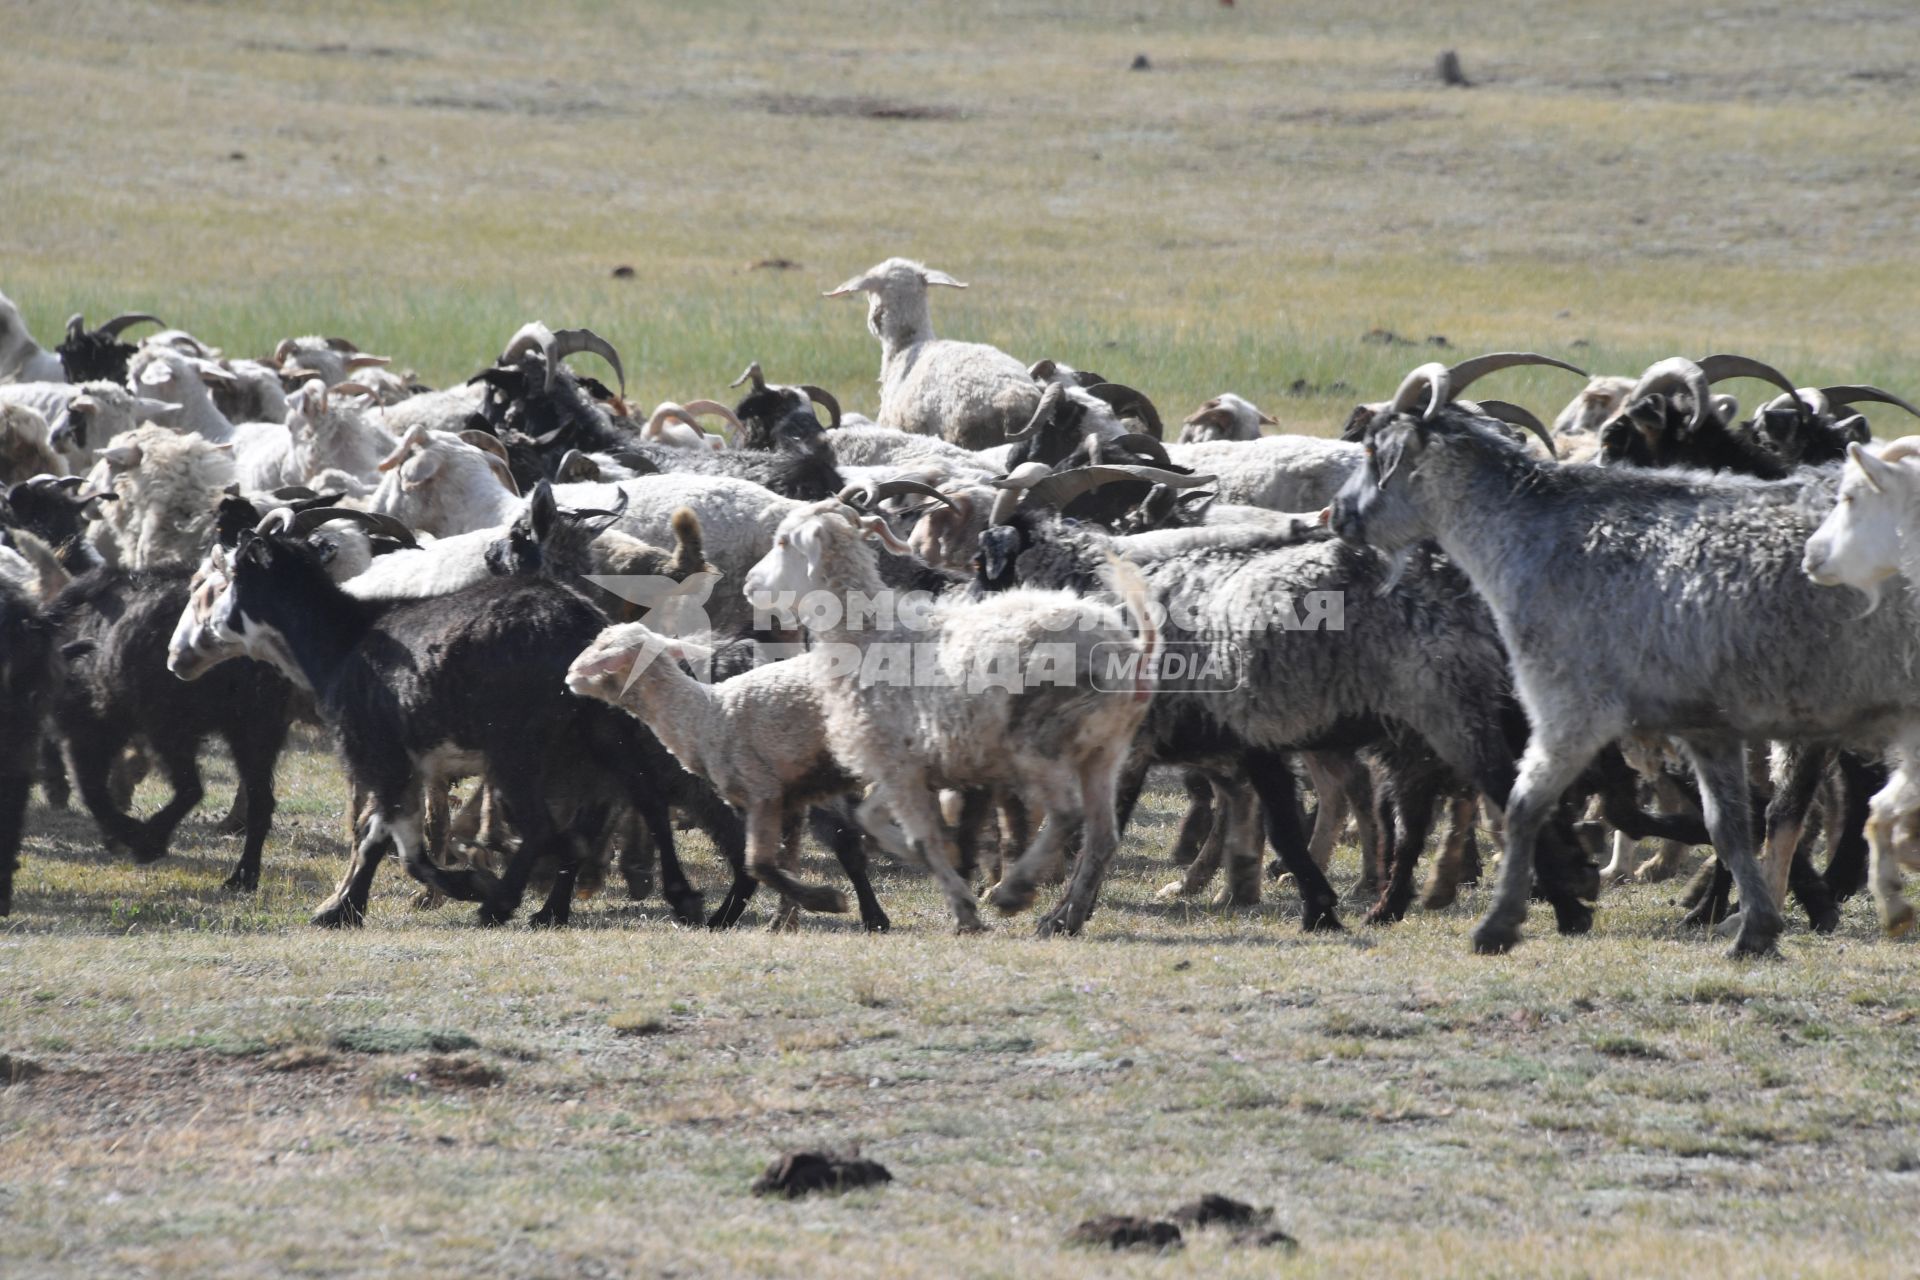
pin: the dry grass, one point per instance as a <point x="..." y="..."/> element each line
<point x="195" y="1093"/>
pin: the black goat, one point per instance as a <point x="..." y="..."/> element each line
<point x="467" y="683"/>
<point x="27" y="680"/>
<point x="90" y="355"/>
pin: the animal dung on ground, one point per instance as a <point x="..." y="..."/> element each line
<point x="800" y="1173"/>
<point x="1119" y="1231"/>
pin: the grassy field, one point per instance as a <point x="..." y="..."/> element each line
<point x="201" y="1085"/>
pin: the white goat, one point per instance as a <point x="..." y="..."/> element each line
<point x="969" y="393"/>
<point x="1225" y="417"/>
<point x="24" y="448"/>
<point x="262" y="451"/>
<point x="168" y="488"/>
<point x="21" y="358"/>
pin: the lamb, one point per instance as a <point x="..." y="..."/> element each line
<point x="968" y="393"/>
<point x="1747" y="647"/>
<point x="1863" y="543"/>
<point x="759" y="738"/>
<point x="1057" y="740"/>
<point x="512" y="637"/>
<point x="1225" y="417"/>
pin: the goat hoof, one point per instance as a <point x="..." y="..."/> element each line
<point x="240" y="882"/>
<point x="876" y="923"/>
<point x="1491" y="939"/>
<point x="1825" y="920"/>
<point x="1322" y="920"/>
<point x="1276" y="869"/>
<point x="1728" y="928"/>
<point x="493" y="915"/>
<point x="1011" y="897"/>
<point x="1899" y="923"/>
<point x="547" y="918"/>
<point x="1440" y="897"/>
<point x="1753" y="948"/>
<point x="1058" y="923"/>
<point x="1386" y="913"/>
<point x="341" y="915"/>
<point x="1168" y="892"/>
<point x="968" y="925"/>
<point x="688" y="907"/>
<point x="1573" y="918"/>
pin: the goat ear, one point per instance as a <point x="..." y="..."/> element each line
<point x="419" y="469"/>
<point x="157" y="374"/>
<point x="149" y="410"/>
<point x="542" y="511"/>
<point x="213" y="375"/>
<point x="940" y="277"/>
<point x="1879" y="475"/>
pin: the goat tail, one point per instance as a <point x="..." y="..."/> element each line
<point x="689" y="549"/>
<point x="53" y="576"/>
<point x="1132" y="590"/>
<point x="809" y="897"/>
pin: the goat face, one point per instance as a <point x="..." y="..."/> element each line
<point x="1379" y="505"/>
<point x="1858" y="544"/>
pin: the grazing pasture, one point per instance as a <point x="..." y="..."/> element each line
<point x="1287" y="203"/>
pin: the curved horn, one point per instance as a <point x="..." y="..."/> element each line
<point x="126" y="320"/>
<point x="1043" y="412"/>
<point x="752" y="374"/>
<point x="1127" y="401"/>
<point x="275" y="521"/>
<point x="712" y="406"/>
<point x="486" y="443"/>
<point x="652" y="430"/>
<point x="1468" y="372"/>
<point x="569" y="342"/>
<point x="820" y="395"/>
<point x="1013" y="487"/>
<point x="1674" y="371"/>
<point x="1433" y="380"/>
<point x="284" y="348"/>
<point x="1515" y="415"/>
<point x="342" y="345"/>
<point x="1718" y="368"/>
<point x="533" y="337"/>
<point x="576" y="466"/>
<point x="1062" y="487"/>
<point x="416" y="435"/>
<point x="1860" y="393"/>
<point x="301" y="523"/>
<point x="866" y="496"/>
<point x="76" y="327"/>
<point x="1137" y="442"/>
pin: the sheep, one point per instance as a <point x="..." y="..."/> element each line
<point x="398" y="679"/>
<point x="1225" y="417"/>
<point x="1863" y="543"/>
<point x="968" y="393"/>
<point x="332" y="360"/>
<point x="82" y="417"/>
<point x="261" y="450"/>
<point x="759" y="738"/>
<point x="444" y="484"/>
<point x="1746" y="648"/>
<point x="24" y="450"/>
<point x="1057" y="740"/>
<point x="167" y="488"/>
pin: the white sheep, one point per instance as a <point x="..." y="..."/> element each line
<point x="168" y="487"/>
<point x="1225" y="417"/>
<point x="999" y="692"/>
<point x="969" y="393"/>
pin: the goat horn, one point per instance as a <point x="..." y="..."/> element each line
<point x="1433" y="379"/>
<point x="1138" y="442"/>
<point x="301" y="523"/>
<point x="820" y="395"/>
<point x="1043" y="412"/>
<point x="867" y="496"/>
<point x="127" y="320"/>
<point x="486" y="443"/>
<point x="297" y="493"/>
<point x="533" y="337"/>
<point x="342" y="345"/>
<point x="569" y="342"/>
<point x="1062" y="487"/>
<point x="1718" y="368"/>
<point x="1674" y="371"/>
<point x="661" y="414"/>
<point x="352" y="389"/>
<point x="712" y="406"/>
<point x="1467" y="372"/>
<point x="1859" y="393"/>
<point x="275" y="521"/>
<point x="1125" y="400"/>
<point x="753" y="373"/>
<point x="1514" y="414"/>
<point x="76" y="327"/>
<point x="284" y="348"/>
<point x="574" y="466"/>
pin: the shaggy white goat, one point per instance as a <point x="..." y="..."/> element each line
<point x="168" y="488"/>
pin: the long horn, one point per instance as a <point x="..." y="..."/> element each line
<point x="1718" y="368"/>
<point x="1674" y="371"/>
<point x="569" y="342"/>
<point x="752" y="374"/>
<point x="486" y="443"/>
<point x="127" y="320"/>
<point x="284" y="348"/>
<point x="866" y="496"/>
<point x="1860" y="393"/>
<point x="660" y="415"/>
<point x="1013" y="487"/>
<point x="1514" y="414"/>
<point x="820" y="395"/>
<point x="1467" y="372"/>
<point x="1131" y="403"/>
<point x="302" y="523"/>
<point x="76" y="327"/>
<point x="1062" y="487"/>
<point x="416" y="435"/>
<point x="576" y="466"/>
<point x="1043" y="413"/>
<point x="712" y="406"/>
<point x="1433" y="381"/>
<point x="533" y="337"/>
<point x="1138" y="442"/>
